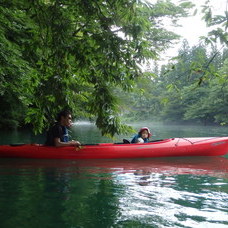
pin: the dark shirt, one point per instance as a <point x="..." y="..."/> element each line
<point x="56" y="131"/>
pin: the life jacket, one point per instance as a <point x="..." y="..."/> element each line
<point x="135" y="139"/>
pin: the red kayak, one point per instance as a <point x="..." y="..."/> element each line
<point x="213" y="146"/>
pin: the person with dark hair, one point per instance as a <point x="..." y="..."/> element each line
<point x="142" y="136"/>
<point x="57" y="135"/>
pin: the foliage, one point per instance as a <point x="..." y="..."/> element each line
<point x="14" y="70"/>
<point x="71" y="54"/>
<point x="218" y="23"/>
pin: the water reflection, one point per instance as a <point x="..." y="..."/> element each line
<point x="212" y="166"/>
<point x="175" y="192"/>
<point x="177" y="201"/>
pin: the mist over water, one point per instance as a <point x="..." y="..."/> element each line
<point x="88" y="133"/>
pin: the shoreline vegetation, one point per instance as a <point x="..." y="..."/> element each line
<point x="70" y="55"/>
<point x="168" y="96"/>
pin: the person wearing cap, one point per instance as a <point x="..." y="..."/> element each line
<point x="142" y="136"/>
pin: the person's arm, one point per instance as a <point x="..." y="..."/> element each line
<point x="140" y="140"/>
<point x="58" y="143"/>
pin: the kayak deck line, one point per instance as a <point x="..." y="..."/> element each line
<point x="205" y="139"/>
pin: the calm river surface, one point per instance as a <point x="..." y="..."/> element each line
<point x="159" y="192"/>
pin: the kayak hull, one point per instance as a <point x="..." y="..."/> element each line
<point x="175" y="147"/>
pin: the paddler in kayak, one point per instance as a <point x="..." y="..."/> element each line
<point x="142" y="136"/>
<point x="57" y="135"/>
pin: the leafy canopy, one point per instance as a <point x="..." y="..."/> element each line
<point x="72" y="54"/>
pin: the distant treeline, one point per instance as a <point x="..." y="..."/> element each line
<point x="192" y="88"/>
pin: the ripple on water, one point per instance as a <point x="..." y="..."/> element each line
<point x="159" y="200"/>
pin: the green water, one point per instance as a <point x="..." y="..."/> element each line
<point x="160" y="192"/>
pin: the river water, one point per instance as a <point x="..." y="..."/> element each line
<point x="158" y="192"/>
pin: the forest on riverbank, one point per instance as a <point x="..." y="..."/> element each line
<point x="86" y="56"/>
<point x="192" y="89"/>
